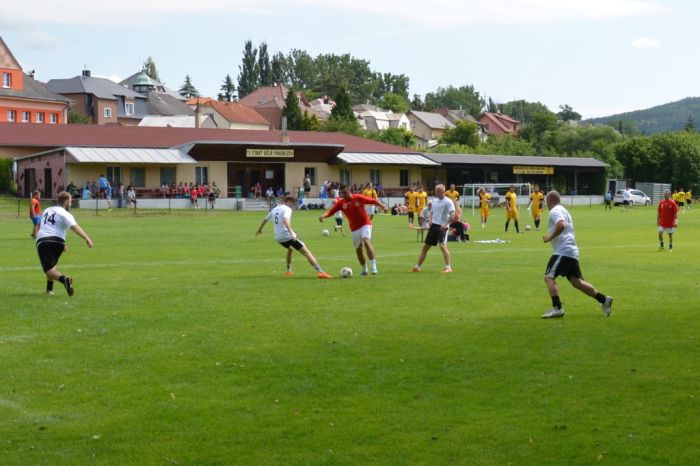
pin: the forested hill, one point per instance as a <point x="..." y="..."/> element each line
<point x="672" y="116"/>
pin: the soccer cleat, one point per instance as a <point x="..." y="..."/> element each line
<point x="553" y="313"/>
<point x="414" y="269"/>
<point x="446" y="271"/>
<point x="69" y="286"/>
<point x="49" y="292"/>
<point x="288" y="273"/>
<point x="364" y="272"/>
<point x="607" y="305"/>
<point x="375" y="271"/>
<point x="323" y="275"/>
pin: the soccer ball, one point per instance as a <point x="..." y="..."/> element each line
<point x="527" y="227"/>
<point x="325" y="232"/>
<point x="346" y="272"/>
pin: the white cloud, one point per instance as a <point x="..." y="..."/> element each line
<point x="438" y="13"/>
<point x="645" y="43"/>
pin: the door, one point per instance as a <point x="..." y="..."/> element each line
<point x="29" y="181"/>
<point x="48" y="184"/>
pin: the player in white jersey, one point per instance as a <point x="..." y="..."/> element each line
<point x="564" y="260"/>
<point x="51" y="240"/>
<point x="281" y="217"/>
<point x="441" y="215"/>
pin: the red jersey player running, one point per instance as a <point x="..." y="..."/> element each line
<point x="667" y="220"/>
<point x="353" y="206"/>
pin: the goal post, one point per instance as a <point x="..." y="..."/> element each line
<point x="470" y="194"/>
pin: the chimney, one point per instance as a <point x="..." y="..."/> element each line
<point x="285" y="136"/>
<point x="86" y="73"/>
<point x="197" y="121"/>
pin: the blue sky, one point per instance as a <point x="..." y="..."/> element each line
<point x="598" y="56"/>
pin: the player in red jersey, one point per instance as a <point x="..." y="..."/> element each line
<point x="667" y="220"/>
<point x="353" y="206"/>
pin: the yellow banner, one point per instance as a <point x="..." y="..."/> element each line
<point x="270" y="153"/>
<point x="525" y="170"/>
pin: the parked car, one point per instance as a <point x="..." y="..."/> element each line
<point x="636" y="197"/>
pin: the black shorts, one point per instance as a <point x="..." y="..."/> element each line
<point x="436" y="235"/>
<point x="339" y="221"/>
<point x="296" y="244"/>
<point x="626" y="202"/>
<point x="410" y="216"/>
<point x="50" y="250"/>
<point x="563" y="266"/>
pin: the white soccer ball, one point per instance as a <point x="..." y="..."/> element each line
<point x="346" y="272"/>
<point x="325" y="233"/>
<point x="527" y="227"/>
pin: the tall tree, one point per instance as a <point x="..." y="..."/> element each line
<point x="343" y="107"/>
<point x="187" y="89"/>
<point x="394" y="102"/>
<point x="417" y="103"/>
<point x="280" y="68"/>
<point x="492" y="106"/>
<point x="292" y="111"/>
<point x="463" y="97"/>
<point x="690" y="124"/>
<point x="248" y="78"/>
<point x="264" y="67"/>
<point x="465" y="133"/>
<point x="567" y="113"/>
<point x="149" y="67"/>
<point x="228" y="89"/>
<point x="522" y="110"/>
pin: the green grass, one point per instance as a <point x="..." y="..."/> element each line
<point x="185" y="344"/>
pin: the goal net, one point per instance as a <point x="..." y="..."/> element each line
<point x="470" y="194"/>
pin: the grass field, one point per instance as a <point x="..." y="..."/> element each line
<point x="185" y="344"/>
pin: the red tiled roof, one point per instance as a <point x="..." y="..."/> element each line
<point x="266" y="96"/>
<point x="44" y="137"/>
<point x="232" y="111"/>
<point x="504" y="122"/>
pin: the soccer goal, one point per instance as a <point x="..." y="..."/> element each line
<point x="470" y="194"/>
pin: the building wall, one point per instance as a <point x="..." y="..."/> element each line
<point x="254" y="126"/>
<point x="33" y="107"/>
<point x="99" y="116"/>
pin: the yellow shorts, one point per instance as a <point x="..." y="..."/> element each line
<point x="536" y="213"/>
<point x="484" y="212"/>
<point x="511" y="214"/>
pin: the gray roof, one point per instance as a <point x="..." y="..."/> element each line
<point x="159" y="86"/>
<point x="33" y="90"/>
<point x="433" y="120"/>
<point x="362" y="158"/>
<point x="161" y="103"/>
<point x="100" y="87"/>
<point x="471" y="159"/>
<point x="127" y="155"/>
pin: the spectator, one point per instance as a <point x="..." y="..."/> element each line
<point x="120" y="195"/>
<point x="131" y="196"/>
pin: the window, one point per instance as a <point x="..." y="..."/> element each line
<point x="167" y="175"/>
<point x="344" y="176"/>
<point x="6" y="80"/>
<point x="138" y="177"/>
<point x="129" y="108"/>
<point x="39" y="117"/>
<point x="25" y="117"/>
<point x="375" y="176"/>
<point x="201" y="175"/>
<point x="404" y="176"/>
<point x="11" y="116"/>
<point x="311" y="173"/>
<point x="54" y="118"/>
<point x="114" y="175"/>
<point x="108" y="112"/>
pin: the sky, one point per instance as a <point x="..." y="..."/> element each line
<point x="601" y="57"/>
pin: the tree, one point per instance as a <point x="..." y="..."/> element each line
<point x="567" y="114"/>
<point x="187" y="89"/>
<point x="417" y="103"/>
<point x="463" y="97"/>
<point x="280" y="68"/>
<point x="264" y="67"/>
<point x="492" y="106"/>
<point x="76" y="118"/>
<point x="6" y="182"/>
<point x="149" y="67"/>
<point x="343" y="108"/>
<point x="624" y="127"/>
<point x="395" y="136"/>
<point x="535" y="130"/>
<point x="309" y="122"/>
<point x="690" y="124"/>
<point x="522" y="110"/>
<point x="394" y="102"/>
<point x="228" y="89"/>
<point x="506" y="145"/>
<point x="465" y="133"/>
<point x="248" y="78"/>
<point x="292" y="111"/>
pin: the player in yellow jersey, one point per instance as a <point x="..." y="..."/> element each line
<point x="484" y="205"/>
<point x="422" y="199"/>
<point x="688" y="198"/>
<point x="512" y="208"/>
<point x="453" y="194"/>
<point x="370" y="192"/>
<point x="681" y="200"/>
<point x="411" y="204"/>
<point x="536" y="205"/>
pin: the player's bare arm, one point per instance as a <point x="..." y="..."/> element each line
<point x="558" y="228"/>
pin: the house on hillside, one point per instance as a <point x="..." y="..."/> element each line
<point x="428" y="126"/>
<point x="229" y="115"/>
<point x="380" y="119"/>
<point x="269" y="101"/>
<point x="25" y="100"/>
<point x="160" y="100"/>
<point x="102" y="100"/>
<point x="499" y="124"/>
<point x="460" y="115"/>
